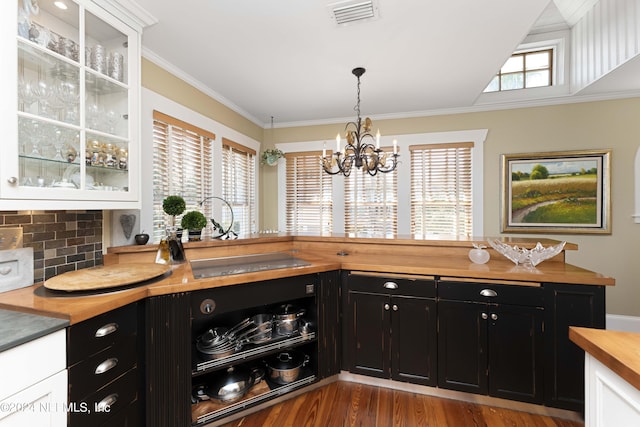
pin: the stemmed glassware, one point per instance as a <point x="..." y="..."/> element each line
<point x="42" y="92"/>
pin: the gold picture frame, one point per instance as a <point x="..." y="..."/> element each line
<point x="563" y="192"/>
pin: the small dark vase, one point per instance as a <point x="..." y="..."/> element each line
<point x="141" y="239"/>
<point x="195" y="235"/>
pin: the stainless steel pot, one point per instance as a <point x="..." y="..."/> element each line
<point x="286" y="319"/>
<point x="229" y="385"/>
<point x="286" y="366"/>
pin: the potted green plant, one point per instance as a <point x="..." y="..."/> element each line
<point x="194" y="221"/>
<point x="270" y="156"/>
<point x="173" y="206"/>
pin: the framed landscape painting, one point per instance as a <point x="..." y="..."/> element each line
<point x="557" y="192"/>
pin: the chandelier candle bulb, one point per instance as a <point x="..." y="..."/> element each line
<point x="378" y="139"/>
<point x="395" y="146"/>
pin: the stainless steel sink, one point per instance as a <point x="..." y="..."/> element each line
<point x="214" y="267"/>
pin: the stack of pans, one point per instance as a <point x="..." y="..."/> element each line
<point x="219" y="342"/>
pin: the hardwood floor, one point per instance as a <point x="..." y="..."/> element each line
<point x="350" y="404"/>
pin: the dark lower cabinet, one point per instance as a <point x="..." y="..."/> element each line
<point x="486" y="344"/>
<point x="390" y="329"/>
<point x="104" y="358"/>
<point x="568" y="305"/>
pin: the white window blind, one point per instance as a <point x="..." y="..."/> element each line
<point x="441" y="189"/>
<point x="238" y="186"/>
<point x="308" y="194"/>
<point x="182" y="159"/>
<point x="371" y="203"/>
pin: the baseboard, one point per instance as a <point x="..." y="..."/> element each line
<point x="466" y="397"/>
<point x="618" y="322"/>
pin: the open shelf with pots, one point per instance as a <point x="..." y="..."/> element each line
<point x="251" y="343"/>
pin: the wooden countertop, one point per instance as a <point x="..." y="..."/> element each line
<point x="619" y="351"/>
<point x="77" y="308"/>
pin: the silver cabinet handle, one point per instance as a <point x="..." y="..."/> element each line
<point x="12" y="180"/>
<point x="484" y="316"/>
<point x="494" y="316"/>
<point x="395" y="307"/>
<point x="107" y="402"/>
<point x="106" y="365"/>
<point x="488" y="293"/>
<point x="390" y="285"/>
<point x="386" y="307"/>
<point x="107" y="329"/>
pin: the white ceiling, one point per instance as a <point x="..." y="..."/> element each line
<point x="290" y="60"/>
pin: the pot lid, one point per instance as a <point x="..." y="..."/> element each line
<point x="289" y="359"/>
<point x="233" y="382"/>
<point x="286" y="309"/>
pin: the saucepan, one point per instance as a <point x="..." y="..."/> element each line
<point x="286" y="319"/>
<point x="286" y="366"/>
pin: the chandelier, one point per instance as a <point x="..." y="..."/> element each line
<point x="362" y="149"/>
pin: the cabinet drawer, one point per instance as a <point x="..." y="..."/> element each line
<point x="492" y="293"/>
<point x="96" y="334"/>
<point x="113" y="399"/>
<point x="392" y="285"/>
<point x="101" y="368"/>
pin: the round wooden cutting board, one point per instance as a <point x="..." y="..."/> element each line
<point x="105" y="277"/>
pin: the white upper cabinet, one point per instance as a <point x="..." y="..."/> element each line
<point x="70" y="109"/>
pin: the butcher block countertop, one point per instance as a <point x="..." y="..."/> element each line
<point x="399" y="256"/>
<point x="619" y="351"/>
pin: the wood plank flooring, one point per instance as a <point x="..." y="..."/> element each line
<point x="350" y="404"/>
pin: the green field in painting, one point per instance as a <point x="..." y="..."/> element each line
<point x="575" y="197"/>
<point x="565" y="212"/>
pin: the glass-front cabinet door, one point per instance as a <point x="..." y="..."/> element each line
<point x="72" y="111"/>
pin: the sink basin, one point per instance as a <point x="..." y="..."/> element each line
<point x="214" y="267"/>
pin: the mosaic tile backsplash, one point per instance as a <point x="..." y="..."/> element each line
<point x="61" y="240"/>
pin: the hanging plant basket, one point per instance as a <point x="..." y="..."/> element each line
<point x="270" y="156"/>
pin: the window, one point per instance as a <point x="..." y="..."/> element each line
<point x="441" y="199"/>
<point x="524" y="70"/>
<point x="182" y="159"/>
<point x="371" y="204"/>
<point x="308" y="194"/>
<point x="238" y="186"/>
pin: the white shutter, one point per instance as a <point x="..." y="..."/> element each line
<point x="238" y="186"/>
<point x="371" y="204"/>
<point x="308" y="194"/>
<point x="441" y="190"/>
<point x="182" y="159"/>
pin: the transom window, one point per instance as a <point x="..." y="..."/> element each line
<point x="524" y="70"/>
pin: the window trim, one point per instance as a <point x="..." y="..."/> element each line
<point x="154" y="101"/>
<point x="477" y="136"/>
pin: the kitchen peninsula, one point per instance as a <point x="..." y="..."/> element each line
<point x="419" y="286"/>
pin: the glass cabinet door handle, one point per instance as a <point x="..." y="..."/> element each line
<point x="386" y="307"/>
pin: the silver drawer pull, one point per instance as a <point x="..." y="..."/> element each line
<point x="106" y="403"/>
<point x="107" y="329"/>
<point x="5" y="270"/>
<point x="390" y="285"/>
<point x="488" y="293"/>
<point x="107" y="365"/>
